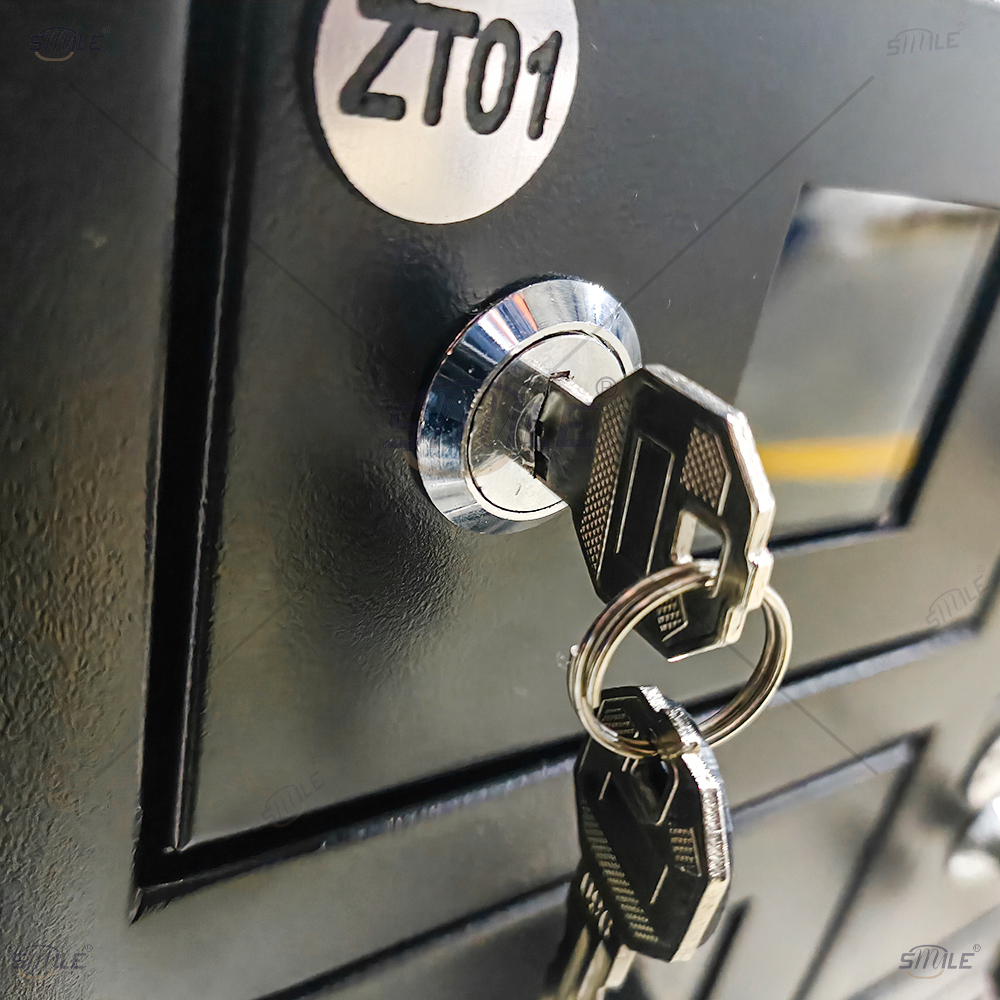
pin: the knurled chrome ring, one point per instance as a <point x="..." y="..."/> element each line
<point x="590" y="659"/>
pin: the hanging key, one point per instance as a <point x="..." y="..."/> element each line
<point x="655" y="844"/>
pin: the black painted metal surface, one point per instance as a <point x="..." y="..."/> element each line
<point x="220" y="577"/>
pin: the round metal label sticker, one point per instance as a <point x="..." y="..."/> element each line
<point x="438" y="114"/>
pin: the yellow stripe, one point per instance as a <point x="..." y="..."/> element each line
<point x="839" y="458"/>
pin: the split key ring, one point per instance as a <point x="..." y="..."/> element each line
<point x="590" y="659"/>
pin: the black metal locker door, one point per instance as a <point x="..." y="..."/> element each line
<point x="272" y="727"/>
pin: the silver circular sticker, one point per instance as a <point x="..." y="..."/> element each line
<point x="438" y="114"/>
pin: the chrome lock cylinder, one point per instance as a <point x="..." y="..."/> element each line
<point x="475" y="433"/>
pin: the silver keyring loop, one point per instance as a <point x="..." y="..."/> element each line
<point x="591" y="658"/>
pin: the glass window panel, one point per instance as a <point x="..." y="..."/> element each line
<point x="862" y="313"/>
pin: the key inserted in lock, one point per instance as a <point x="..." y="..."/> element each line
<point x="642" y="466"/>
<point x="642" y="459"/>
<point x="474" y="436"/>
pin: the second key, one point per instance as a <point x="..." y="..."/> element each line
<point x="655" y="845"/>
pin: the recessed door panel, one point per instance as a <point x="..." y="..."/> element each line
<point x="334" y="602"/>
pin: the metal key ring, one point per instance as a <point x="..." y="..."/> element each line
<point x="590" y="659"/>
